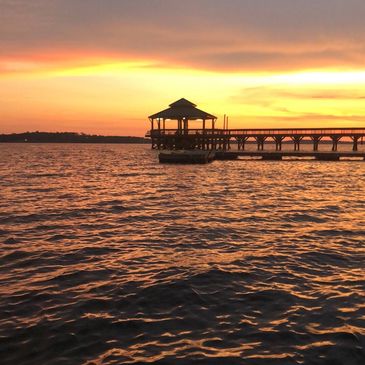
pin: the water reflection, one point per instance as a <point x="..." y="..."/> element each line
<point x="109" y="258"/>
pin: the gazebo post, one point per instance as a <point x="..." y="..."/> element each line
<point x="152" y="124"/>
<point x="186" y="125"/>
<point x="164" y="125"/>
<point x="203" y="125"/>
<point x="159" y="124"/>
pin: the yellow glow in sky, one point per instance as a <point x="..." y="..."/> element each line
<point x="116" y="97"/>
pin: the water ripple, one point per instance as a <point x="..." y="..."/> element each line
<point x="107" y="257"/>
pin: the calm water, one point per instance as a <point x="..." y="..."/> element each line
<point x="108" y="257"/>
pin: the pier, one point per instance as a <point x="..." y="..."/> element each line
<point x="233" y="142"/>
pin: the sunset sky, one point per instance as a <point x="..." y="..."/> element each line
<point x="103" y="66"/>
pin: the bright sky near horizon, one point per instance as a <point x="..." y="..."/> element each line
<point x="103" y="66"/>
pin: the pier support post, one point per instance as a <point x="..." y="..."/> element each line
<point x="297" y="140"/>
<point x="335" y="140"/>
<point x="241" y="141"/>
<point x="356" y="142"/>
<point x="316" y="140"/>
<point x="243" y="144"/>
<point x="278" y="142"/>
<point x="214" y="143"/>
<point x="260" y="143"/>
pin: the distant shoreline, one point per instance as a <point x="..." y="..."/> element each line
<point x="68" y="137"/>
<point x="82" y="138"/>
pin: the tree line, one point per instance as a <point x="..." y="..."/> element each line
<point x="67" y="137"/>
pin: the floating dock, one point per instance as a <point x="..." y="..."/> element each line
<point x="278" y="156"/>
<point x="186" y="156"/>
<point x="202" y="157"/>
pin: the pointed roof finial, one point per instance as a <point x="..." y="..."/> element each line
<point x="182" y="109"/>
<point x="182" y="102"/>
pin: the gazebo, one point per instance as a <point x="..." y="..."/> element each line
<point x="182" y="111"/>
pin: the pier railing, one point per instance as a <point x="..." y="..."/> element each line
<point x="264" y="132"/>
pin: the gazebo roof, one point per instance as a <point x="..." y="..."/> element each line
<point x="182" y="109"/>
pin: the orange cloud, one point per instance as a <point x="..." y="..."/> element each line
<point x="229" y="36"/>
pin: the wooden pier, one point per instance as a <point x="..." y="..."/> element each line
<point x="218" y="139"/>
<point x="225" y="140"/>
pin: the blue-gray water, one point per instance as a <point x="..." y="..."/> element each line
<point x="107" y="257"/>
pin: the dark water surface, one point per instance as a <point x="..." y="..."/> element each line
<point x="107" y="257"/>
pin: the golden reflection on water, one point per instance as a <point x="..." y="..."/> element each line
<point x="145" y="262"/>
